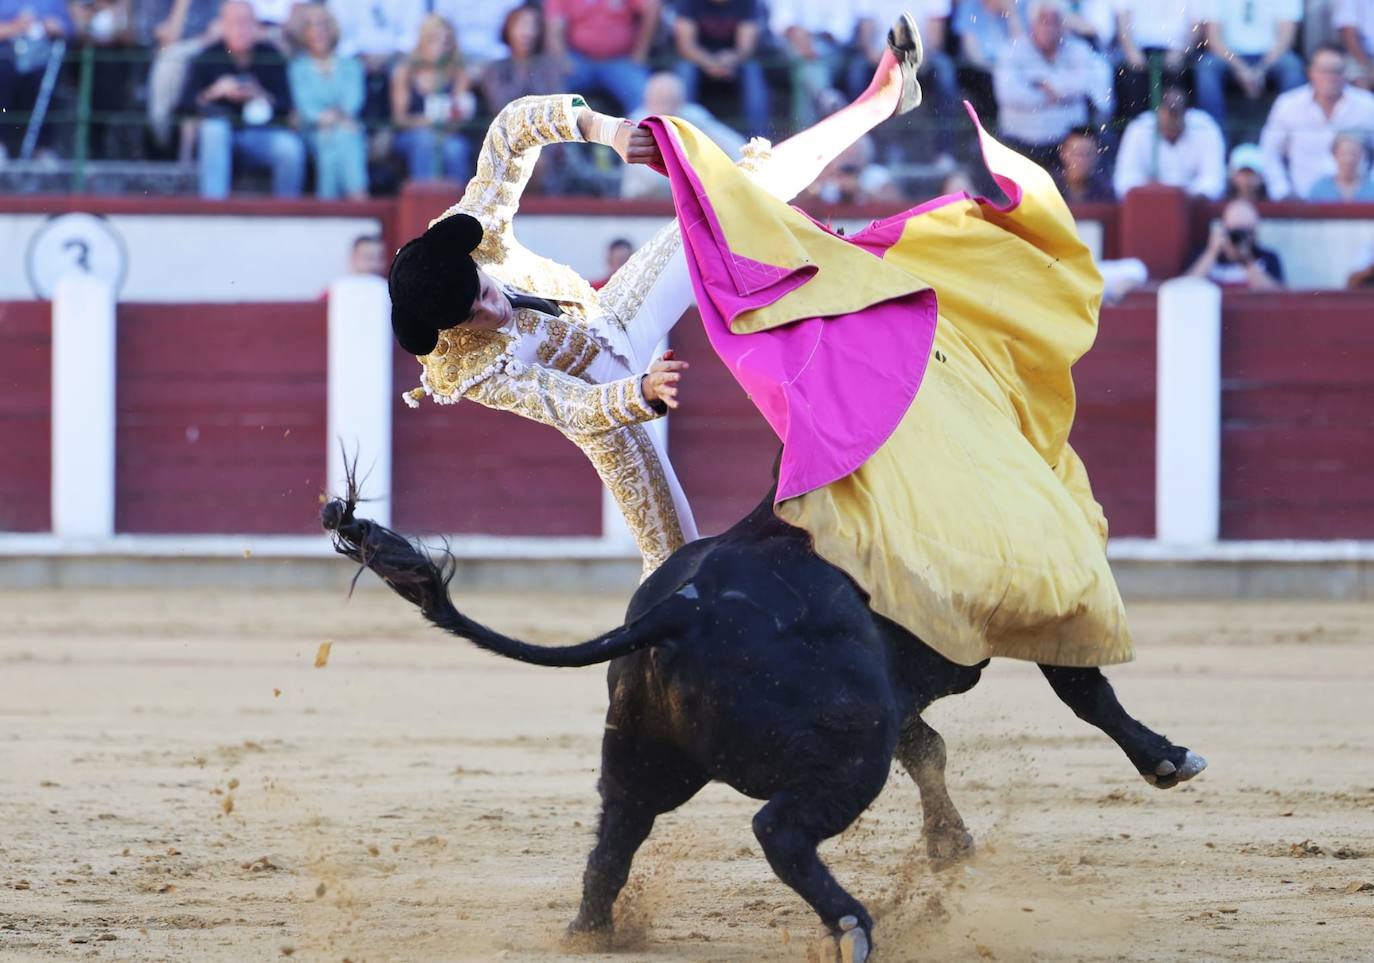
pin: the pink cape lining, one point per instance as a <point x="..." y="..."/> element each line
<point x="833" y="389"/>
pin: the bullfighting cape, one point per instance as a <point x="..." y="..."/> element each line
<point x="918" y="374"/>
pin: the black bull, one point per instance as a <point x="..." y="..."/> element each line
<point x="746" y="658"/>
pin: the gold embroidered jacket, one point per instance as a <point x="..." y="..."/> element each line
<point x="605" y="420"/>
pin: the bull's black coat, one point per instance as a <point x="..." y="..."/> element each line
<point x="746" y="658"/>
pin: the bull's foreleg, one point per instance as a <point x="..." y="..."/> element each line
<point x="1088" y="693"/>
<point x="622" y="831"/>
<point x="921" y="751"/>
<point x="640" y="779"/>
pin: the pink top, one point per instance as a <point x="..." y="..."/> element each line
<point x="600" y="29"/>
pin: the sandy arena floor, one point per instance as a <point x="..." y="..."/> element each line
<point x="178" y="782"/>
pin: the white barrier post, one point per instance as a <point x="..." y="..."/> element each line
<point x="1188" y="412"/>
<point x="359" y="392"/>
<point x="83" y="407"/>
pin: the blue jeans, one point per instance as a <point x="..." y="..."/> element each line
<point x="428" y="152"/>
<point x="621" y="77"/>
<point x="753" y="91"/>
<point x="268" y="148"/>
<point x="340" y="162"/>
<point x="1211" y="74"/>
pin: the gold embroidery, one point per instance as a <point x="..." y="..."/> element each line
<point x="625" y="292"/>
<point x="604" y="420"/>
<point x="629" y="467"/>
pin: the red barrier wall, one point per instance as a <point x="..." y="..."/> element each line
<point x="465" y="468"/>
<point x="25" y="416"/>
<point x="1298" y="415"/>
<point x="1114" y="430"/>
<point x="220" y="422"/>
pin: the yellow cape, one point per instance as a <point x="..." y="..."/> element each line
<point x="974" y="525"/>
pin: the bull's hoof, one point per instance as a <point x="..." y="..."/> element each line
<point x="854" y="944"/>
<point x="585" y="930"/>
<point x="1168" y="774"/>
<point x="945" y="847"/>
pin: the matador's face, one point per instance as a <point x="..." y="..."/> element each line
<point x="491" y="308"/>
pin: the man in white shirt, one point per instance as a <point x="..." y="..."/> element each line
<point x="815" y="36"/>
<point x="1175" y="146"/>
<point x="1250" y="42"/>
<point x="377" y="28"/>
<point x="1145" y="28"/>
<point x="1044" y="86"/>
<point x="1303" y="123"/>
<point x="1354" y="21"/>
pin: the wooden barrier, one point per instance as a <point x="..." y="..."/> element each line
<point x="25" y="416"/>
<point x="221" y="416"/>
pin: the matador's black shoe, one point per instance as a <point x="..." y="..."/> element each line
<point x="904" y="40"/>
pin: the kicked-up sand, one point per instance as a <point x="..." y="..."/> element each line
<point x="178" y="781"/>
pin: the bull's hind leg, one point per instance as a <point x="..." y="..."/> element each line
<point x="794" y="823"/>
<point x="639" y="782"/>
<point x="1088" y="693"/>
<point x="921" y="751"/>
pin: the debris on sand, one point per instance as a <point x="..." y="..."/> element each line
<point x="1358" y="886"/>
<point x="322" y="654"/>
<point x="261" y="864"/>
<point x="1305" y="848"/>
<point x="984" y="952"/>
<point x="1345" y="852"/>
<point x="227" y="804"/>
<point x="233" y="784"/>
<point x="320" y="891"/>
<point x="276" y="693"/>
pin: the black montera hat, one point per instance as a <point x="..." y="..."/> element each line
<point x="433" y="282"/>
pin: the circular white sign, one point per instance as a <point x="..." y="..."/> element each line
<point x="82" y="243"/>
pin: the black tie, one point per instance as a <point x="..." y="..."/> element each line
<point x="532" y="303"/>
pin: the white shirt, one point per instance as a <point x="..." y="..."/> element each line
<point x="1358" y="14"/>
<point x="1077" y="73"/>
<point x="836" y="18"/>
<point x="273" y="11"/>
<point x="1101" y="14"/>
<point x="377" y="26"/>
<point x="885" y="12"/>
<point x="478" y="24"/>
<point x="1195" y="162"/>
<point x="1161" y="24"/>
<point x="1297" y="137"/>
<point x="1249" y="27"/>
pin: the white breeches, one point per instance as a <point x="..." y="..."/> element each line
<point x="664" y="304"/>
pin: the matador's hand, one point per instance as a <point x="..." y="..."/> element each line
<point x="660" y="384"/>
<point x="636" y="145"/>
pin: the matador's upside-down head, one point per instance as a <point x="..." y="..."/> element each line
<point x="434" y="282"/>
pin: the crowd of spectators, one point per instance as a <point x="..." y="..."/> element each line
<point x="352" y="96"/>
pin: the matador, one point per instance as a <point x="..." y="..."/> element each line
<point x="498" y="324"/>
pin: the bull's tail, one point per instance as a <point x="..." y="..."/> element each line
<point x="414" y="575"/>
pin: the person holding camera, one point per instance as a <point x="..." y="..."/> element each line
<point x="237" y="87"/>
<point x="1233" y="257"/>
